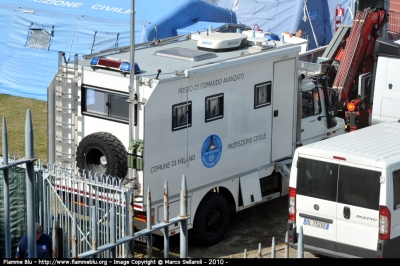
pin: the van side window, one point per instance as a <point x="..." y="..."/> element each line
<point x="359" y="187"/>
<point x="181" y="116"/>
<point x="317" y="179"/>
<point x="396" y="189"/>
<point x="262" y="94"/>
<point x="214" y="107"/>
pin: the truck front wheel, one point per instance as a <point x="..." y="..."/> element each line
<point x="103" y="153"/>
<point x="211" y="219"/>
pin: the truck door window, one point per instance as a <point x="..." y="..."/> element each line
<point x="311" y="103"/>
<point x="214" y="107"/>
<point x="359" y="187"/>
<point x="105" y="104"/>
<point x="396" y="189"/>
<point x="262" y="94"/>
<point x="317" y="179"/>
<point x="181" y="116"/>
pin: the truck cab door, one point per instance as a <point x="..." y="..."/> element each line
<point x="312" y="128"/>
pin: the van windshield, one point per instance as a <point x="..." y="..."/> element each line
<point x="339" y="183"/>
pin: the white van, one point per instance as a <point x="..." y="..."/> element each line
<point x="345" y="193"/>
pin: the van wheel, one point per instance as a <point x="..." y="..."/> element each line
<point x="211" y="219"/>
<point x="103" y="153"/>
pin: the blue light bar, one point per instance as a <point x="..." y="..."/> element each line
<point x="94" y="61"/>
<point x="137" y="69"/>
<point x="108" y="63"/>
<point x="126" y="67"/>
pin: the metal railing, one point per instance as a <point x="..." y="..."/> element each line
<point x="28" y="161"/>
<point x="90" y="215"/>
<point x="273" y="252"/>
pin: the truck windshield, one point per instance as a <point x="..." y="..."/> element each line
<point x="341" y="183"/>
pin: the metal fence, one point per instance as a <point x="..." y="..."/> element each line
<point x="28" y="161"/>
<point x="96" y="215"/>
<point x="89" y="215"/>
<point x="286" y="254"/>
<point x="73" y="201"/>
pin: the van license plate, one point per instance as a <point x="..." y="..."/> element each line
<point x="316" y="224"/>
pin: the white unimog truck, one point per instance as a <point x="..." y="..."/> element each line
<point x="224" y="109"/>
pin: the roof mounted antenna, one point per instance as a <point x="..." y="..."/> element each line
<point x="158" y="73"/>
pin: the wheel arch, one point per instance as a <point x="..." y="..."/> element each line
<point x="229" y="197"/>
<point x="224" y="190"/>
<point x="211" y="217"/>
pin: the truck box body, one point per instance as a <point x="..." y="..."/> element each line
<point x="250" y="140"/>
<point x="347" y="194"/>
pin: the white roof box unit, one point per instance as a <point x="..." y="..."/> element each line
<point x="220" y="42"/>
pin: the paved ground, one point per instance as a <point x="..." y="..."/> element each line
<point x="281" y="251"/>
<point x="247" y="229"/>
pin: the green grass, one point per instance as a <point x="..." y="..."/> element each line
<point x="14" y="109"/>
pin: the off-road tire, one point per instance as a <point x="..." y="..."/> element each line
<point x="211" y="220"/>
<point x="102" y="145"/>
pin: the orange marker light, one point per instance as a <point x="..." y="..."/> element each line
<point x="351" y="107"/>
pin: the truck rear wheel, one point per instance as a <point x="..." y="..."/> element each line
<point x="211" y="219"/>
<point x="103" y="153"/>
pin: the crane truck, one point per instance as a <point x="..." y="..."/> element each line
<point x="360" y="65"/>
<point x="225" y="109"/>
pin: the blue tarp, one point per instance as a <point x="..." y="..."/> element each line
<point x="94" y="25"/>
<point x="85" y="27"/>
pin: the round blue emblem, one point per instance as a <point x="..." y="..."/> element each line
<point x="211" y="151"/>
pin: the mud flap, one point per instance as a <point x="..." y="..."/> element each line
<point x="250" y="189"/>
